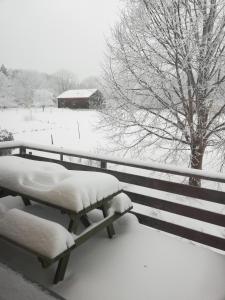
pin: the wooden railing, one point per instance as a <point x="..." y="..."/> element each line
<point x="204" y="194"/>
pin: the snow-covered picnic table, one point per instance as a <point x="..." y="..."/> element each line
<point x="53" y="183"/>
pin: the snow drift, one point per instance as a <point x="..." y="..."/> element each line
<point x="119" y="204"/>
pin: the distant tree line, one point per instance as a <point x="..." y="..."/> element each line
<point x="25" y="88"/>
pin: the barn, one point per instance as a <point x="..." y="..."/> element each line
<point x="82" y="98"/>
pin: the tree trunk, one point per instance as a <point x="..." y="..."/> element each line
<point x="197" y="153"/>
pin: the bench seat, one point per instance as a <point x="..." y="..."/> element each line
<point x="46" y="238"/>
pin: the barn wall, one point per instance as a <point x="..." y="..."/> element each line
<point x="73" y="103"/>
<point x="96" y="100"/>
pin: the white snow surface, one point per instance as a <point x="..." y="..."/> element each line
<point x="10" y="202"/>
<point x="82" y="93"/>
<point x="14" y="287"/>
<point x="53" y="183"/>
<point x="119" y="204"/>
<point x="45" y="237"/>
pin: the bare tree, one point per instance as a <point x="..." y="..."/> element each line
<point x="165" y="74"/>
<point x="3" y="70"/>
<point x="24" y="83"/>
<point x="42" y="98"/>
<point x="90" y="82"/>
<point x="64" y="80"/>
<point x="6" y="91"/>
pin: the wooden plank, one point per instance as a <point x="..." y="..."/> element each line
<point x="103" y="164"/>
<point x="187" y="233"/>
<point x="179" y="209"/>
<point x="10" y="145"/>
<point x="110" y="228"/>
<point x="73" y="224"/>
<point x="153" y="183"/>
<point x="4" y="193"/>
<point x="26" y="201"/>
<point x="85" y="221"/>
<point x="22" y="150"/>
<point x="61" y="269"/>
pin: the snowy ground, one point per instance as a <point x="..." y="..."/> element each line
<point x="74" y="129"/>
<point x="67" y="128"/>
<point x="138" y="263"/>
<point x="20" y="288"/>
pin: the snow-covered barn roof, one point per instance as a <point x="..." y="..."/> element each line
<point x="83" y="93"/>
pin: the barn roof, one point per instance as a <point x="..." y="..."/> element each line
<point x="83" y="93"/>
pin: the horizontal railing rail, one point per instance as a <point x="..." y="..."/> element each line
<point x="204" y="194"/>
<point x="169" y="169"/>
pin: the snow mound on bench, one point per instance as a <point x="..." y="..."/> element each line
<point x="53" y="183"/>
<point x="9" y="202"/>
<point x="120" y="203"/>
<point x="45" y="237"/>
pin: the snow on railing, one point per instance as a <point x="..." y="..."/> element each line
<point x="159" y="167"/>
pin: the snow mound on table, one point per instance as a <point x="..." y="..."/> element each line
<point x="120" y="204"/>
<point x="10" y="202"/>
<point x="53" y="183"/>
<point x="42" y="236"/>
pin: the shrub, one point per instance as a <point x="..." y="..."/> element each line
<point x="5" y="136"/>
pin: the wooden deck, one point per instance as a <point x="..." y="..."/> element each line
<point x="139" y="263"/>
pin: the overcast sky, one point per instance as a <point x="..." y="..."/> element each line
<point x="48" y="35"/>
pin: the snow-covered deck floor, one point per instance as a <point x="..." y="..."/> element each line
<point x="139" y="263"/>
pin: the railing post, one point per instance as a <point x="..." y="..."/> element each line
<point x="22" y="150"/>
<point x="61" y="156"/>
<point x="103" y="164"/>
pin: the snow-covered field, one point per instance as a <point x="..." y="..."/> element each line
<point x="76" y="129"/>
<point x="63" y="127"/>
